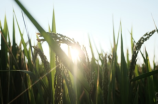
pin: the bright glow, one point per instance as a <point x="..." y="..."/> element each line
<point x="74" y="54"/>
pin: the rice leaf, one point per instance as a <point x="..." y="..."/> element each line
<point x="4" y="77"/>
<point x="136" y="96"/>
<point x="14" y="50"/>
<point x="24" y="44"/>
<point x="52" y="57"/>
<point x="132" y="43"/>
<point x="124" y="72"/>
<point x="0" y="24"/>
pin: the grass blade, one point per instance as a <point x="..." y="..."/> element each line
<point x="124" y="72"/>
<point x="24" y="44"/>
<point x="4" y="77"/>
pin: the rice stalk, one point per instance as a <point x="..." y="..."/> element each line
<point x="46" y="66"/>
<point x="42" y="56"/>
<point x="58" y="83"/>
<point x="54" y="46"/>
<point x="61" y="39"/>
<point x="9" y="49"/>
<point x="71" y="91"/>
<point x="35" y="82"/>
<point x="136" y="49"/>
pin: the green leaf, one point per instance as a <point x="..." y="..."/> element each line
<point x="145" y="75"/>
<point x="0" y="24"/>
<point x="14" y="50"/>
<point x="90" y="45"/>
<point x="5" y="76"/>
<point x="132" y="43"/>
<point x="124" y="72"/>
<point x="53" y="23"/>
<point x="27" y="54"/>
<point x="52" y="58"/>
<point x="136" y="96"/>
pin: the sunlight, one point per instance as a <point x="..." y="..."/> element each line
<point x="74" y="54"/>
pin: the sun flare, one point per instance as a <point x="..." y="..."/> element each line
<point x="74" y="54"/>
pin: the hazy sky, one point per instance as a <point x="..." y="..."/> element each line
<point x="80" y="18"/>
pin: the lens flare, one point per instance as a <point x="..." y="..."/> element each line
<point x="74" y="54"/>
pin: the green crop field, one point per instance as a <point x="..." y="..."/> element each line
<point x="27" y="77"/>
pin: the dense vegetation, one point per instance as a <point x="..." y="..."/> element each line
<point x="26" y="78"/>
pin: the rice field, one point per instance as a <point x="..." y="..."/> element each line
<point x="27" y="77"/>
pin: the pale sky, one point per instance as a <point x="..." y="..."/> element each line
<point x="80" y="18"/>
